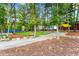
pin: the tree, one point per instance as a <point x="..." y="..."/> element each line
<point x="77" y="14"/>
<point x="2" y="16"/>
<point x="22" y="15"/>
<point x="13" y="17"/>
<point x="47" y="10"/>
<point x="33" y="19"/>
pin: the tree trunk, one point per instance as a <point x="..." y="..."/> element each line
<point x="14" y="18"/>
<point x="57" y="24"/>
<point x="68" y="29"/>
<point x="57" y="35"/>
<point x="34" y="30"/>
<point x="74" y="21"/>
<point x="8" y="26"/>
<point x="77" y="16"/>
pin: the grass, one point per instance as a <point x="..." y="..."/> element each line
<point x="38" y="33"/>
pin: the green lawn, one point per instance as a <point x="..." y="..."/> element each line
<point x="39" y="33"/>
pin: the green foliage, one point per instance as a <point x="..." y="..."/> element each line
<point x="32" y="14"/>
<point x="33" y="22"/>
<point x="56" y="20"/>
<point x="2" y="13"/>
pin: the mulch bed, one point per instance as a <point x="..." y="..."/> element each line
<point x="15" y="36"/>
<point x="73" y="33"/>
<point x="53" y="47"/>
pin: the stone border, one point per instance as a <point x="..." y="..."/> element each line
<point x="73" y="37"/>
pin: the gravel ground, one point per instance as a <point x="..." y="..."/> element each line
<point x="53" y="47"/>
